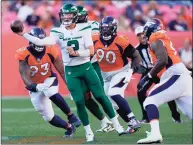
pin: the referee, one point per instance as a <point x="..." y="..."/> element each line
<point x="146" y="66"/>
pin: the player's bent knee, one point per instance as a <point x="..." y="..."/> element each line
<point x="148" y="101"/>
<point x="48" y="118"/>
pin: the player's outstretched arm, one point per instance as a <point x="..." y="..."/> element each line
<point x="162" y="58"/>
<point x="58" y="64"/>
<point x="18" y="28"/>
<point x="40" y="42"/>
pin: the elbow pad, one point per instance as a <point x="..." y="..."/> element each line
<point x="31" y="87"/>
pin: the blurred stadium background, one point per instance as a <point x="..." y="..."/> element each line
<point x="176" y="15"/>
<point x="20" y="122"/>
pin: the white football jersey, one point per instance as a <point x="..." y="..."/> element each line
<point x="94" y="26"/>
<point x="95" y="29"/>
<point x="78" y="38"/>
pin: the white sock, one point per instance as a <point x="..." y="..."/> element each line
<point x="130" y="115"/>
<point x="104" y="121"/>
<point x="117" y="125"/>
<point x="155" y="126"/>
<point x="88" y="129"/>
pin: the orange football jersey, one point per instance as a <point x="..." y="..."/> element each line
<point x="110" y="57"/>
<point x="40" y="68"/>
<point x="173" y="57"/>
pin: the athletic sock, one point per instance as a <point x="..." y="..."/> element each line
<point x="58" y="122"/>
<point x="152" y="112"/>
<point x="153" y="116"/>
<point x="61" y="103"/>
<point x="122" y="103"/>
<point x="117" y="125"/>
<point x="104" y="121"/>
<point x="88" y="129"/>
<point x="155" y="126"/>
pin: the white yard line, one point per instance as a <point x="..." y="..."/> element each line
<point x="11" y="110"/>
<point x="22" y="98"/>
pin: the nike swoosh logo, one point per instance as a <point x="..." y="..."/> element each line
<point x="88" y="68"/>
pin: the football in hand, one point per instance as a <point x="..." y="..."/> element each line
<point x="17" y="26"/>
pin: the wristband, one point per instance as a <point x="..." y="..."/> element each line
<point x="32" y="87"/>
<point x="84" y="53"/>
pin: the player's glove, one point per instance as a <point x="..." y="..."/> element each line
<point x="32" y="87"/>
<point x="144" y="82"/>
<point x="37" y="87"/>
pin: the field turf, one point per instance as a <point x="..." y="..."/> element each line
<point x="21" y="124"/>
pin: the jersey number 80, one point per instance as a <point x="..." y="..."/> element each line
<point x="110" y="56"/>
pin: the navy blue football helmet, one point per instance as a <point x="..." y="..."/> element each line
<point x="108" y="28"/>
<point x="39" y="33"/>
<point x="152" y="26"/>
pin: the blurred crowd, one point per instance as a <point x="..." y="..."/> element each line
<point x="176" y="15"/>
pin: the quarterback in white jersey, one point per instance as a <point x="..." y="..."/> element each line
<point x="76" y="45"/>
<point x="106" y="125"/>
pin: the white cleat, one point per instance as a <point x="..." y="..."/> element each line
<point x="108" y="127"/>
<point x="151" y="138"/>
<point x="120" y="130"/>
<point x="89" y="137"/>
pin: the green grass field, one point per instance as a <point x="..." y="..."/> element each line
<point x="21" y="124"/>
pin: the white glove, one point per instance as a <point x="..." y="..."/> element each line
<point x="42" y="87"/>
<point x="128" y="76"/>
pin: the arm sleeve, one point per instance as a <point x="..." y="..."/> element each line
<point x="40" y="42"/>
<point x="88" y="37"/>
<point x="128" y="52"/>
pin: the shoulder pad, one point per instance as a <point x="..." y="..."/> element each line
<point x="55" y="31"/>
<point x="83" y="26"/>
<point x="157" y="35"/>
<point x="21" y="53"/>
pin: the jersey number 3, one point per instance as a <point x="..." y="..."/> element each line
<point x="34" y="69"/>
<point x="74" y="44"/>
<point x="110" y="56"/>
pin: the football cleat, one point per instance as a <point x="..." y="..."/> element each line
<point x="89" y="138"/>
<point x="129" y="130"/>
<point x="151" y="138"/>
<point x="134" y="123"/>
<point x="108" y="128"/>
<point x="74" y="120"/>
<point x="70" y="131"/>
<point x="177" y="120"/>
<point x="143" y="121"/>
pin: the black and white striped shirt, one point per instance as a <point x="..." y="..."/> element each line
<point x="145" y="56"/>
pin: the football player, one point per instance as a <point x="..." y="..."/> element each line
<point x="175" y="80"/>
<point x="146" y="66"/>
<point x="76" y="45"/>
<point x="37" y="74"/>
<point x="113" y="51"/>
<point x="106" y="125"/>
